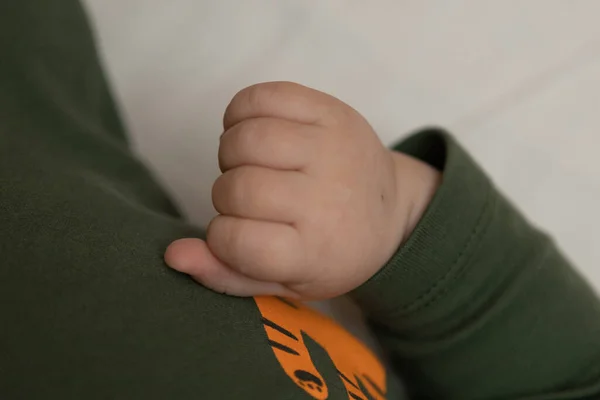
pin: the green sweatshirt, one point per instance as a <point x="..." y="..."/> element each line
<point x="477" y="304"/>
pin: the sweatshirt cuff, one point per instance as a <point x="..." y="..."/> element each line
<point x="424" y="268"/>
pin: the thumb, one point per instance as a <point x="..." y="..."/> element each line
<point x="193" y="257"/>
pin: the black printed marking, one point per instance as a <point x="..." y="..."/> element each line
<point x="374" y="385"/>
<point x="310" y="379"/>
<point x="278" y="328"/>
<point x="344" y="377"/>
<point x="282" y="347"/>
<point x="363" y="389"/>
<point x="286" y="302"/>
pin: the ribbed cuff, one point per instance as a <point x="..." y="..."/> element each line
<point x="425" y="267"/>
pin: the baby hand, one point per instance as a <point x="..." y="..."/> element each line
<point x="311" y="204"/>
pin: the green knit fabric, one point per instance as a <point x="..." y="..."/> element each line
<point x="476" y="305"/>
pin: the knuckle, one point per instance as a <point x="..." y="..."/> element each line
<point x="254" y="95"/>
<point x="257" y="96"/>
<point x="243" y="188"/>
<point x="262" y="95"/>
<point x="249" y="133"/>
<point x="235" y="245"/>
<point x="250" y="183"/>
<point x="227" y="140"/>
<point x="222" y="238"/>
<point x="273" y="252"/>
<point x="257" y="188"/>
<point x="229" y="190"/>
<point x="236" y="144"/>
<point x="229" y="149"/>
<point x="246" y="102"/>
<point x="224" y="158"/>
<point x="214" y="235"/>
<point x="214" y="229"/>
<point x="282" y="86"/>
<point x="270" y="195"/>
<point x="219" y="194"/>
<point x="241" y="179"/>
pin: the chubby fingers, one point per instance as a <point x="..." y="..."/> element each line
<point x="262" y="194"/>
<point x="269" y="142"/>
<point x="193" y="257"/>
<point x="273" y="134"/>
<point x="284" y="100"/>
<point x="261" y="250"/>
<point x="243" y="257"/>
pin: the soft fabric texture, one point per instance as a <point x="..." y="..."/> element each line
<point x="476" y="305"/>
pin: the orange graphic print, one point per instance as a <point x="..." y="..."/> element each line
<point x="285" y="321"/>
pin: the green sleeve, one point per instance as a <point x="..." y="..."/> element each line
<point x="478" y="303"/>
<point x="88" y="310"/>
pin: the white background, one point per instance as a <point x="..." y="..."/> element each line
<point x="518" y="81"/>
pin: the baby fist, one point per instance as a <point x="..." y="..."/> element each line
<point x="310" y="203"/>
